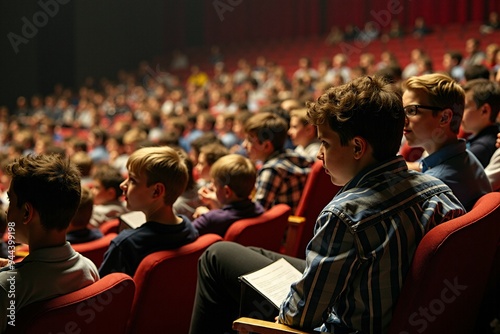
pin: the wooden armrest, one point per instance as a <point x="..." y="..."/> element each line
<point x="249" y="325"/>
<point x="294" y="231"/>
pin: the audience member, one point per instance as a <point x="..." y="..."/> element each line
<point x="303" y="134"/>
<point x="97" y="145"/>
<point x="472" y="72"/>
<point x="474" y="55"/>
<point x="283" y="173"/>
<point x="335" y="36"/>
<point x="492" y="24"/>
<point x="232" y="182"/>
<point x="434" y="107"/>
<point x="78" y="230"/>
<point x="157" y="176"/>
<point x="106" y="193"/>
<point x="44" y="195"/>
<point x="209" y="154"/>
<point x="189" y="200"/>
<point x="85" y="165"/>
<point x="420" y="28"/>
<point x="482" y="104"/>
<point x="452" y="61"/>
<point x="355" y="248"/>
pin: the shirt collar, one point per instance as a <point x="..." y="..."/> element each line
<point x="447" y="152"/>
<point x="392" y="165"/>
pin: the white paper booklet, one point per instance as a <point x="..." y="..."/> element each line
<point x="273" y="281"/>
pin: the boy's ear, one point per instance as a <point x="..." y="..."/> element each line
<point x="268" y="146"/>
<point x="28" y="212"/>
<point x="228" y="192"/>
<point x="360" y="145"/>
<point x="446" y="116"/>
<point x="111" y="192"/>
<point x="486" y="109"/>
<point x="158" y="190"/>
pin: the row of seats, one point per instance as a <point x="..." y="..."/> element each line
<point x="160" y="296"/>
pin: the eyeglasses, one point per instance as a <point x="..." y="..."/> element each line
<point x="412" y="110"/>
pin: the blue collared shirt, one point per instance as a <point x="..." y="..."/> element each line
<point x="363" y="245"/>
<point x="460" y="170"/>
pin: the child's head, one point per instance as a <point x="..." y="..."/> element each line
<point x="83" y="161"/>
<point x="234" y="178"/>
<point x="367" y="107"/>
<point x="159" y="165"/>
<point x="265" y="134"/>
<point x="301" y="132"/>
<point x="106" y="184"/>
<point x="47" y="184"/>
<point x="84" y="211"/>
<point x="209" y="154"/>
<point x="482" y="103"/>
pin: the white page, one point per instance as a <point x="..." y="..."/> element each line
<point x="274" y="280"/>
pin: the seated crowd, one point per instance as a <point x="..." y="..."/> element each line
<point x="196" y="157"/>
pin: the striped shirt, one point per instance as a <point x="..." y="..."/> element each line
<point x="363" y="245"/>
<point x="282" y="178"/>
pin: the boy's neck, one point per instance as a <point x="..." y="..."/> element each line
<point x="163" y="215"/>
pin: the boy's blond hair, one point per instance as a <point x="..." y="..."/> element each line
<point x="236" y="172"/>
<point x="161" y="165"/>
<point x="442" y="91"/>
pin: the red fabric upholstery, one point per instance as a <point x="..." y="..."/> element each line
<point x="94" y="250"/>
<point x="111" y="226"/>
<point x="444" y="288"/>
<point x="318" y="192"/>
<point x="102" y="307"/>
<point x="266" y="231"/>
<point x="166" y="285"/>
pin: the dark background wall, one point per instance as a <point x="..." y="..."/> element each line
<point x="97" y="38"/>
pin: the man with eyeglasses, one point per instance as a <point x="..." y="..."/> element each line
<point x="434" y="106"/>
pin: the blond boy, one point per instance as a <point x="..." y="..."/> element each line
<point x="233" y="180"/>
<point x="156" y="177"/>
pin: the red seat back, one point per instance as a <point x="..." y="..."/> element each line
<point x="318" y="192"/>
<point x="166" y="286"/>
<point x="94" y="250"/>
<point x="266" y="231"/>
<point x="102" y="307"/>
<point x="444" y="288"/>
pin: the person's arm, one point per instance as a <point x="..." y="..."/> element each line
<point x="268" y="183"/>
<point x="482" y="152"/>
<point x="326" y="276"/>
<point x="492" y="170"/>
<point x="114" y="261"/>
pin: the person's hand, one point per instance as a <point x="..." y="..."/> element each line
<point x="3" y="262"/>
<point x="208" y="197"/>
<point x="200" y="211"/>
<point x="498" y="137"/>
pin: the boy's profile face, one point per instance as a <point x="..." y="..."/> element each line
<point x="297" y="131"/>
<point x="338" y="160"/>
<point x="255" y="149"/>
<point x="101" y="194"/>
<point x="420" y="129"/>
<point x="219" y="191"/>
<point x="202" y="167"/>
<point x="136" y="192"/>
